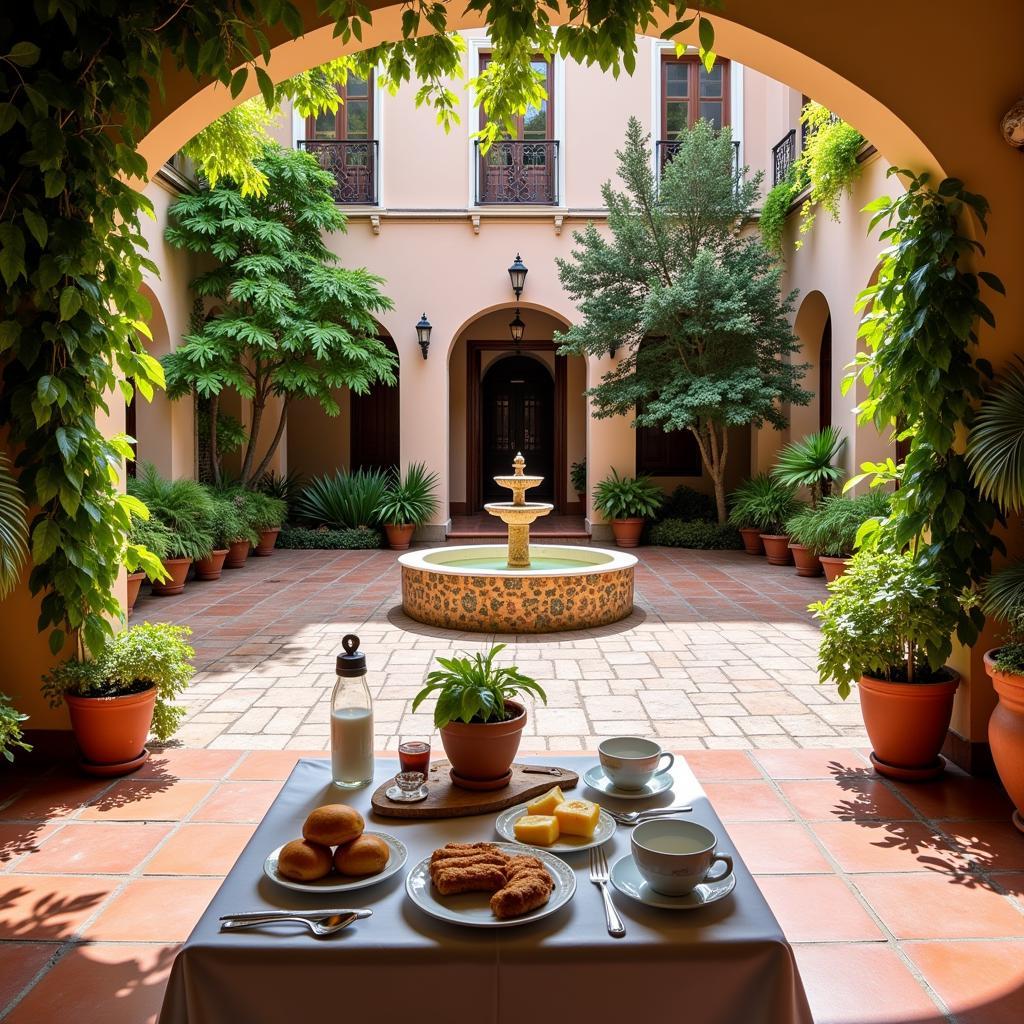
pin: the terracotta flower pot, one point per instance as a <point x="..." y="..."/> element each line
<point x="834" y="567"/>
<point x="209" y="568"/>
<point x="776" y="548"/>
<point x="582" y="499"/>
<point x="907" y="725"/>
<point x="134" y="583"/>
<point x="627" y="532"/>
<point x="399" y="535"/>
<point x="238" y="553"/>
<point x="484" y="750"/>
<point x="752" y="540"/>
<point x="1006" y="732"/>
<point x="268" y="538"/>
<point x="178" y="568"/>
<point x="111" y="731"/>
<point x="806" y="561"/>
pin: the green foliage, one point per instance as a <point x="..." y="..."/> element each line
<point x="809" y="463"/>
<point x="257" y="511"/>
<point x="832" y="526"/>
<point x="697" y="533"/>
<point x="688" y="504"/>
<point x="302" y="539"/>
<point x="231" y="435"/>
<point x="144" y="656"/>
<point x="995" y="445"/>
<point x="1009" y="656"/>
<point x="289" y="323"/>
<point x="286" y="488"/>
<point x="695" y="305"/>
<point x="884" y="618"/>
<point x="13" y="529"/>
<point x="922" y="381"/>
<point x="578" y="476"/>
<point x="763" y="503"/>
<point x="409" y="499"/>
<point x="152" y="535"/>
<point x="474" y="690"/>
<point x="1002" y="594"/>
<point x="183" y="506"/>
<point x="344" y="500"/>
<point x="777" y="204"/>
<point x="627" y="497"/>
<point x="228" y="525"/>
<point x="11" y="735"/>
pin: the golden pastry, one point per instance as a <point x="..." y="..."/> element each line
<point x="364" y="855"/>
<point x="303" y="861"/>
<point x="333" y="824"/>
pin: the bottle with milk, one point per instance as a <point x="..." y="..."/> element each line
<point x="351" y="719"/>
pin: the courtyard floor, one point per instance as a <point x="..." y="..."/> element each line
<point x="719" y="653"/>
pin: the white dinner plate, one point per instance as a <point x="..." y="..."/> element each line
<point x="397" y="856"/>
<point x="473" y="909"/>
<point x="596" y="778"/>
<point x="628" y="880"/>
<point x="505" y="826"/>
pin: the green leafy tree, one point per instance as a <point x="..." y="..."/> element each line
<point x="697" y="307"/>
<point x="287" y="322"/>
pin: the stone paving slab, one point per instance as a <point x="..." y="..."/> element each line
<point x="719" y="653"/>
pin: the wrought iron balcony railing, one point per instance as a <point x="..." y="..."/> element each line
<point x="518" y="171"/>
<point x="353" y="164"/>
<point x="783" y="155"/>
<point x="667" y="149"/>
<point x="806" y="130"/>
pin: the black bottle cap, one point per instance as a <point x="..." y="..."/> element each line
<point x="353" y="661"/>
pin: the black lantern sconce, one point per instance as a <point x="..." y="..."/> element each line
<point x="517" y="275"/>
<point x="423" y="329"/>
<point x="517" y="328"/>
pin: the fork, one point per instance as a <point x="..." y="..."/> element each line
<point x="599" y="876"/>
<point x="320" y="927"/>
<point x="635" y="817"/>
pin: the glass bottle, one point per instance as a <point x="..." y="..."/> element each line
<point x="351" y="719"/>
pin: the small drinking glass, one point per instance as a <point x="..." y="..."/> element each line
<point x="414" y="756"/>
<point x="409" y="788"/>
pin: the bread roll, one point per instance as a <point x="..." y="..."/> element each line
<point x="303" y="861"/>
<point x="366" y="855"/>
<point x="333" y="824"/>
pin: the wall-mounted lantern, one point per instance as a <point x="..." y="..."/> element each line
<point x="423" y="329"/>
<point x="517" y="328"/>
<point x="517" y="275"/>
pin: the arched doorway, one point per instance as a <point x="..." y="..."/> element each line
<point x="517" y="412"/>
<point x="813" y="328"/>
<point x="825" y="376"/>
<point x="374" y="424"/>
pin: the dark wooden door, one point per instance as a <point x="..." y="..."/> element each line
<point x="517" y="406"/>
<point x="374" y="421"/>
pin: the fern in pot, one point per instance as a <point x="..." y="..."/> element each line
<point x="830" y="530"/>
<point x="408" y="502"/>
<point x="764" y="504"/>
<point x="626" y="502"/>
<point x="480" y="721"/>
<point x="150" y="534"/>
<point x="264" y="515"/>
<point x="227" y="527"/>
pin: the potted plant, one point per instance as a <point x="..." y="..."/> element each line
<point x="152" y="535"/>
<point x="765" y="504"/>
<point x="226" y="526"/>
<point x="116" y="698"/>
<point x="742" y="505"/>
<point x="830" y="531"/>
<point x="578" y="477"/>
<point x="479" y="721"/>
<point x="626" y="501"/>
<point x="809" y="463"/>
<point x="887" y="626"/>
<point x="264" y="516"/>
<point x="243" y="538"/>
<point x="407" y="503"/>
<point x="11" y="735"/>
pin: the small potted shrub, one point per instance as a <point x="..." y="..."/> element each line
<point x="765" y="504"/>
<point x="152" y="535"/>
<point x="244" y="537"/>
<point x="480" y="722"/>
<point x="226" y="526"/>
<point x="887" y="627"/>
<point x="578" y="477"/>
<point x="407" y="503"/>
<point x="744" y="502"/>
<point x="264" y="516"/>
<point x="830" y="530"/>
<point x="626" y="502"/>
<point x="11" y="735"/>
<point x="116" y="698"/>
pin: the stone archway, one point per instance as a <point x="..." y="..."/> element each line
<point x="811" y="320"/>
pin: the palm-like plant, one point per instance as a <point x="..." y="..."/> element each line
<point x="344" y="500"/>
<point x="810" y="463"/>
<point x="183" y="506"/>
<point x="410" y="499"/>
<point x="13" y="528"/>
<point x="763" y="503"/>
<point x="626" y="497"/>
<point x="831" y="528"/>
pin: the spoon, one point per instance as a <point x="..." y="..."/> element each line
<point x="320" y="927"/>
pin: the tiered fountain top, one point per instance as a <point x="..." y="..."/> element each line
<point x="518" y="513"/>
<point x="518" y="483"/>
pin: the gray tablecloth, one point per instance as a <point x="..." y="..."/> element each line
<point x="727" y="963"/>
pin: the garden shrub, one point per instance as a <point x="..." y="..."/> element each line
<point x="687" y="504"/>
<point x="299" y="538"/>
<point x="706" y="536"/>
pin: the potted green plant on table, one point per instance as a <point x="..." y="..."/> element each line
<point x="227" y="528"/>
<point x="407" y="503"/>
<point x="578" y="478"/>
<point x="810" y="463"/>
<point x="152" y="535"/>
<point x="480" y="722"/>
<point x="626" y="502"/>
<point x="763" y="505"/>
<point x="830" y="530"/>
<point x="887" y="627"/>
<point x="115" y="699"/>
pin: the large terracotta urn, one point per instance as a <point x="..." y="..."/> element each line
<point x="776" y="548"/>
<point x="806" y="561"/>
<point x="1006" y="733"/>
<point x="111" y="731"/>
<point x="481" y="753"/>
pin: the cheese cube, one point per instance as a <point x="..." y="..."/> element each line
<point x="547" y="803"/>
<point x="536" y="829"/>
<point x="578" y="818"/>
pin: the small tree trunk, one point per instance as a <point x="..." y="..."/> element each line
<point x="278" y="434"/>
<point x="258" y="401"/>
<point x="214" y="453"/>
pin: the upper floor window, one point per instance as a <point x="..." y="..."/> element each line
<point x="352" y="120"/>
<point x="689" y="93"/>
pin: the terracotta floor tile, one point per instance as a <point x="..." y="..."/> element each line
<point x="19" y="964"/>
<point x="777" y="847"/>
<point x="53" y="798"/>
<point x="722" y="765"/>
<point x="889" y="846"/>
<point x="797" y="901"/>
<point x="931" y="906"/>
<point x="845" y="799"/>
<point x="154" y="910"/>
<point x="994" y="845"/>
<point x="189" y="764"/>
<point x="958" y="796"/>
<point x="100" y="984"/>
<point x="862" y="984"/>
<point x="151" y="800"/>
<point x="48" y="907"/>
<point x="272" y="765"/>
<point x="200" y="850"/>
<point x="96" y="849"/>
<point x="811" y="764"/>
<point x="980" y="982"/>
<point x="746" y="801"/>
<point x="17" y="840"/>
<point x="1013" y="883"/>
<point x="239" y="801"/>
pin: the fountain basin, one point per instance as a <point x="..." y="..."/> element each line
<point x="470" y="587"/>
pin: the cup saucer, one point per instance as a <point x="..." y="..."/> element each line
<point x="627" y="879"/>
<point x="596" y="778"/>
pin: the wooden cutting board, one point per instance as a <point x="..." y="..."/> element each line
<point x="449" y="801"/>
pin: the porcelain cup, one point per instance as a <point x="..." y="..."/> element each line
<point x="632" y="761"/>
<point x="673" y="856"/>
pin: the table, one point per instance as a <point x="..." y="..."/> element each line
<point x="727" y="963"/>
